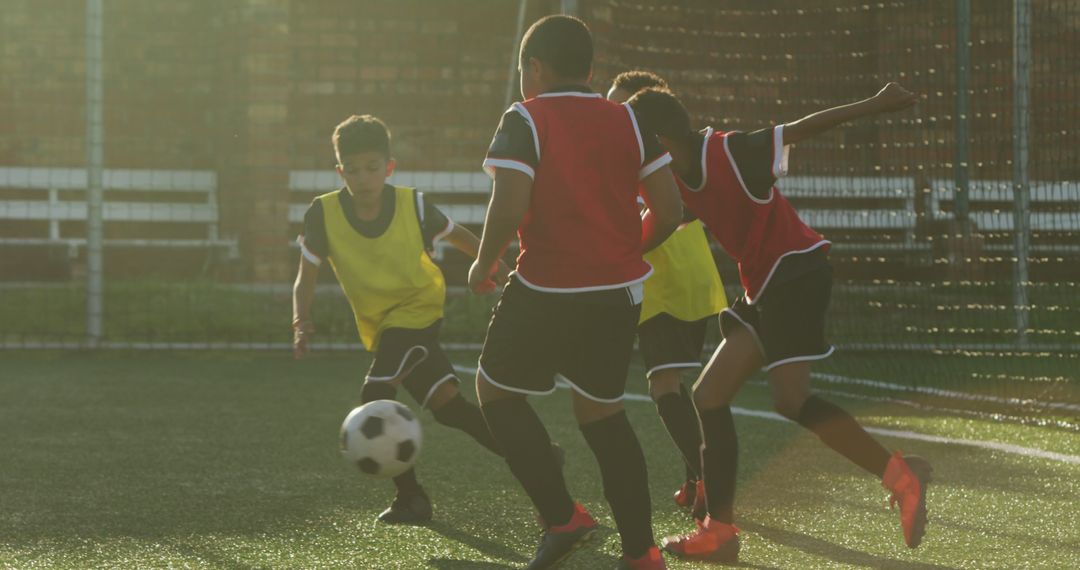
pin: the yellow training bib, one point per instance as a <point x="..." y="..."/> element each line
<point x="685" y="283"/>
<point x="390" y="280"/>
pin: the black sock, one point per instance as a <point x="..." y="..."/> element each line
<point x="679" y="417"/>
<point x="518" y="430"/>
<point x="405" y="483"/>
<point x="719" y="462"/>
<point x="461" y="414"/>
<point x="625" y="478"/>
<point x="843" y="434"/>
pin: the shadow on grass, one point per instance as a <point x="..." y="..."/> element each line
<point x="835" y="552"/>
<point x="488" y="547"/>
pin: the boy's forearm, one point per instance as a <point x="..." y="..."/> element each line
<point x="464" y="241"/>
<point x="303" y="298"/>
<point x="498" y="231"/>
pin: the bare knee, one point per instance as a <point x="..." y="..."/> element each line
<point x="587" y="410"/>
<point x="442" y="395"/>
<point x="486" y="392"/>
<point x="789" y="405"/>
<point x="664" y="382"/>
<point x="790" y="387"/>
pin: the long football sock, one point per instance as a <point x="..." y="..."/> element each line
<point x="679" y="417"/>
<point x="719" y="462"/>
<point x="518" y="430"/>
<point x="461" y="414"/>
<point x="838" y="430"/>
<point x="625" y="478"/>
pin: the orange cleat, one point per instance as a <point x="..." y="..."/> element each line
<point x="907" y="477"/>
<point x="712" y="542"/>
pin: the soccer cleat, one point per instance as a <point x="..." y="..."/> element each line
<point x="701" y="508"/>
<point x="712" y="542"/>
<point x="687" y="494"/>
<point x="907" y="477"/>
<point x="409" y="509"/>
<point x="652" y="560"/>
<point x="558" y="542"/>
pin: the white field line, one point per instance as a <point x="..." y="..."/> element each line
<point x="836" y="379"/>
<point x="899" y="434"/>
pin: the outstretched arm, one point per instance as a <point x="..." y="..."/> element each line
<point x="891" y="98"/>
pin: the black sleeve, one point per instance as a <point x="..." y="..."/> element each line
<point x="434" y="224"/>
<point x="513" y="146"/>
<point x="755" y="156"/>
<point x="313" y="239"/>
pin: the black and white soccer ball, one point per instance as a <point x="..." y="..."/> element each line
<point x="381" y="438"/>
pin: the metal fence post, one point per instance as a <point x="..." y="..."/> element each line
<point x="961" y="170"/>
<point x="95" y="160"/>
<point x="1021" y="177"/>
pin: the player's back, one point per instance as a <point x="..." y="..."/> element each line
<point x="583" y="228"/>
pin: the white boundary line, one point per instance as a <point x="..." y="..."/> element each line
<point x="899" y="434"/>
<point x="837" y="379"/>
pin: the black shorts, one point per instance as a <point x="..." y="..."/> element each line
<point x="788" y="320"/>
<point x="666" y="342"/>
<point x="587" y="338"/>
<point x="416" y="355"/>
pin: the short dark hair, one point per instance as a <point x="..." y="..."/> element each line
<point x="658" y="111"/>
<point x="636" y="80"/>
<point x="562" y="42"/>
<point x="360" y="133"/>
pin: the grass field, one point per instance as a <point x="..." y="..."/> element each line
<point x="147" y="460"/>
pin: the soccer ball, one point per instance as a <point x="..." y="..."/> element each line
<point x="382" y="438"/>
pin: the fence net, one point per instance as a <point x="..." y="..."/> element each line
<point x="956" y="226"/>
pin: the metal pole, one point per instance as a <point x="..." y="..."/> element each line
<point x="961" y="171"/>
<point x="511" y="81"/>
<point x="1021" y="179"/>
<point x="95" y="160"/>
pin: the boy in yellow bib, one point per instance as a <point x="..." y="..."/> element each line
<point x="682" y="296"/>
<point x="377" y="238"/>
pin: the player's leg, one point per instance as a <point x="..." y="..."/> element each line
<point x="669" y="347"/>
<point x="517" y="361"/>
<point x="793" y="324"/>
<point x="434" y="384"/>
<point x="737" y="358"/>
<point x="676" y="409"/>
<point x="599" y="346"/>
<point x="396" y="356"/>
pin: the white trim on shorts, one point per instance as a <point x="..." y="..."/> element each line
<point x="679" y="365"/>
<point x="821" y="356"/>
<point x="440" y="382"/>
<point x="560" y="377"/>
<point x="404" y="359"/>
<point x="749" y="327"/>
<point x="484" y="375"/>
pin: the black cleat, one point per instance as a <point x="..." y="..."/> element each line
<point x="410" y="509"/>
<point x="559" y="542"/>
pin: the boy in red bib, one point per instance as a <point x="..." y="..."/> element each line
<point x="567" y="165"/>
<point x="728" y="179"/>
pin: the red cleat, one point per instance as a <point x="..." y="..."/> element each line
<point x="907" y="477"/>
<point x="687" y="494"/>
<point x="652" y="560"/>
<point x="701" y="508"/>
<point x="712" y="542"/>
